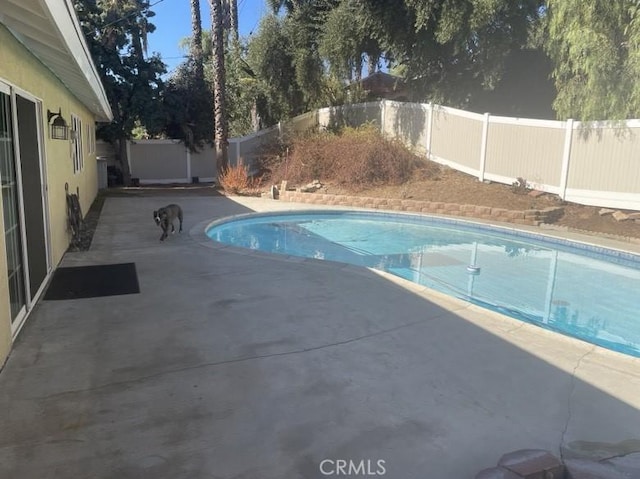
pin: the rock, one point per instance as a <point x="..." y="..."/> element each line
<point x="605" y="211"/>
<point x="533" y="464"/>
<point x="586" y="469"/>
<point x="634" y="216"/>
<point x="620" y="216"/>
<point x="497" y="473"/>
<point x="536" y="193"/>
<point x="311" y="187"/>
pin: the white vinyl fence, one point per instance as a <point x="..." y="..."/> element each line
<point x="169" y="161"/>
<point x="593" y="164"/>
<point x="588" y="163"/>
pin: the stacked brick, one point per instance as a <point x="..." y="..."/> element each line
<point x="526" y="217"/>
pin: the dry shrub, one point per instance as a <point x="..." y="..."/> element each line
<point x="237" y="180"/>
<point x="356" y="158"/>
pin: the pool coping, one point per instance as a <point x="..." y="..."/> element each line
<point x="618" y="253"/>
<point x="542" y="217"/>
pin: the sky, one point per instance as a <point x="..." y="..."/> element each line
<point x="173" y="23"/>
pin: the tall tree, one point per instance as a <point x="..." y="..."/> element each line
<point x="344" y="40"/>
<point x="188" y="106"/>
<point x="192" y="106"/>
<point x="188" y="98"/>
<point x="219" y="94"/>
<point x="196" y="39"/>
<point x="301" y="24"/>
<point x="271" y="61"/>
<point x="303" y="27"/>
<point x="116" y="33"/>
<point x="447" y="48"/>
<point x="595" y="48"/>
<point x="233" y="14"/>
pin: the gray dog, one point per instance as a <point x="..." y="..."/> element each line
<point x="165" y="217"/>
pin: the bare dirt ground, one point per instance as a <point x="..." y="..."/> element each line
<point x="451" y="186"/>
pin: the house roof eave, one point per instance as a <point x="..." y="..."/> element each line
<point x="52" y="33"/>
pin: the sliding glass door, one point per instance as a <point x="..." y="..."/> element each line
<point x="33" y="194"/>
<point x="11" y="211"/>
<point x="24" y="202"/>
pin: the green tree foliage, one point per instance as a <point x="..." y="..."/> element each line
<point x="116" y="33"/>
<point x="243" y="92"/>
<point x="450" y="49"/>
<point x="341" y="43"/>
<point x="289" y="72"/>
<point x="269" y="57"/>
<point x="302" y="28"/>
<point x="306" y="52"/>
<point x="188" y="105"/>
<point x="187" y="98"/>
<point x="595" y="48"/>
<point x="345" y="41"/>
<point x="192" y="101"/>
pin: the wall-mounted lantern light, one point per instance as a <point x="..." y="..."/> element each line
<point x="58" y="130"/>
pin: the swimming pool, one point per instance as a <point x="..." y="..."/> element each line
<point x="580" y="290"/>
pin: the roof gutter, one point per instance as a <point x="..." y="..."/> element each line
<point x="67" y="23"/>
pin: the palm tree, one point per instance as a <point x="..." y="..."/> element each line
<point x="196" y="40"/>
<point x="219" y="93"/>
<point x="233" y="20"/>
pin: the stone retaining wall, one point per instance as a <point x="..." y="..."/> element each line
<point x="526" y="217"/>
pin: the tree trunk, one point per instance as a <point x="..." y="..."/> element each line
<point x="123" y="161"/>
<point x="196" y="42"/>
<point x="219" y="93"/>
<point x="372" y="64"/>
<point x="255" y="117"/>
<point x="358" y="67"/>
<point x="226" y="14"/>
<point x="233" y="14"/>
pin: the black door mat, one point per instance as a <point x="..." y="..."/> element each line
<point x="93" y="281"/>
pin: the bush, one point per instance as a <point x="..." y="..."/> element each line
<point x="356" y="158"/>
<point x="236" y="180"/>
<point x="519" y="187"/>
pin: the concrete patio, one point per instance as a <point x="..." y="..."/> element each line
<point x="235" y="364"/>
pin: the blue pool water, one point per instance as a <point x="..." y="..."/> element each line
<point x="583" y="291"/>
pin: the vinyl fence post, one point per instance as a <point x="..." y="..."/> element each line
<point x="383" y="111"/>
<point x="429" y="128"/>
<point x="483" y="146"/>
<point x="566" y="156"/>
<point x="189" y="178"/>
<point x="129" y="155"/>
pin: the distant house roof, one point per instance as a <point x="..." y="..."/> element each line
<point x="384" y="85"/>
<point x="50" y="30"/>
